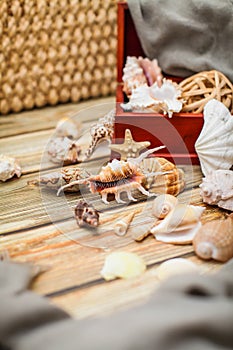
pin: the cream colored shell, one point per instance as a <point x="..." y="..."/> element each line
<point x="214" y="145"/>
<point x="9" y="167"/>
<point x="163" y="204"/>
<point x="173" y="267"/>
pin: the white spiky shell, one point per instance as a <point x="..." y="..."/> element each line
<point x="9" y="167"/>
<point x="155" y="99"/>
<point x="180" y="225"/>
<point x="214" y="145"/>
<point x="217" y="189"/>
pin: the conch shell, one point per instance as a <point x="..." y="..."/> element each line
<point x="217" y="188"/>
<point x="214" y="240"/>
<point x="180" y="225"/>
<point x="8" y="168"/>
<point x="214" y="145"/>
<point x="163" y="204"/>
<point x="171" y="180"/>
<point x="155" y="99"/>
<point x="86" y="214"/>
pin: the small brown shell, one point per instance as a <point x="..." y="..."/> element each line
<point x="86" y="214"/>
<point x="171" y="182"/>
<point x="163" y="204"/>
<point x="214" y="240"/>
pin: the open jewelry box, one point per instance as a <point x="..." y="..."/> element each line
<point x="178" y="133"/>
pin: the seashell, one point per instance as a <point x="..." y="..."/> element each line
<point x="217" y="189"/>
<point x="123" y="265"/>
<point x="129" y="148"/>
<point x="121" y="227"/>
<point x="86" y="214"/>
<point x="63" y="150"/>
<point x="133" y="75"/>
<point x="214" y="145"/>
<point x="67" y="127"/>
<point x="180" y="225"/>
<point x="214" y="240"/>
<point x="162" y="176"/>
<point x="163" y="204"/>
<point x="117" y="177"/>
<point x="55" y="180"/>
<point x="174" y="267"/>
<point x="101" y="131"/>
<point x="140" y="71"/>
<point x="9" y="167"/>
<point x="155" y="99"/>
<point x="141" y="226"/>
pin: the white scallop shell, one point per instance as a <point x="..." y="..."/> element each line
<point x="214" y="145"/>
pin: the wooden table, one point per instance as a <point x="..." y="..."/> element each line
<point x="71" y="277"/>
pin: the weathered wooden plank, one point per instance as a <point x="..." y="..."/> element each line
<point x="46" y="118"/>
<point x="107" y="297"/>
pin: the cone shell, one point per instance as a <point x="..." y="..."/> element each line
<point x="180" y="225"/>
<point x="123" y="265"/>
<point x="163" y="204"/>
<point x="171" y="182"/>
<point x="214" y="240"/>
<point x="121" y="227"/>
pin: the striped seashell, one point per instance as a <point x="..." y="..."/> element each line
<point x="171" y="180"/>
<point x="214" y="240"/>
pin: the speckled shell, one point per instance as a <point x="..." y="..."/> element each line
<point x="172" y="183"/>
<point x="86" y="214"/>
<point x="214" y="240"/>
<point x="217" y="189"/>
<point x="8" y="168"/>
<point x="163" y="204"/>
<point x="55" y="180"/>
<point x="63" y="150"/>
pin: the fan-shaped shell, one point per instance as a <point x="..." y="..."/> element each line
<point x="171" y="182"/>
<point x="214" y="145"/>
<point x="215" y="240"/>
<point x="217" y="188"/>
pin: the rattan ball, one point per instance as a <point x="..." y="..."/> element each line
<point x="198" y="89"/>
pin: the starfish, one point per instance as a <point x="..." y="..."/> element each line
<point x="129" y="148"/>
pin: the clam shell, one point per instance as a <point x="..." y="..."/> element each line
<point x="214" y="145"/>
<point x="123" y="265"/>
<point x="163" y="204"/>
<point x="171" y="182"/>
<point x="174" y="267"/>
<point x="214" y="240"/>
<point x="180" y="225"/>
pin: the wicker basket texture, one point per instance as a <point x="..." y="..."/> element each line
<point x="55" y="51"/>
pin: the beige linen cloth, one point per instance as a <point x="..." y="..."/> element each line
<point x="188" y="312"/>
<point x="186" y="36"/>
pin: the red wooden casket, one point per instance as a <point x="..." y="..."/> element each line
<point x="178" y="133"/>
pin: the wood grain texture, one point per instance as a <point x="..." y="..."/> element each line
<point x="39" y="228"/>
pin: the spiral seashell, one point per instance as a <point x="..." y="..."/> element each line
<point x="63" y="150"/>
<point x="214" y="240"/>
<point x="180" y="225"/>
<point x="121" y="227"/>
<point x="171" y="180"/>
<point x="163" y="204"/>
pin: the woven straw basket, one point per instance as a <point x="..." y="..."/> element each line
<point x="55" y="51"/>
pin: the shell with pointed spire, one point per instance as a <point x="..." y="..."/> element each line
<point x="214" y="240"/>
<point x="163" y="204"/>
